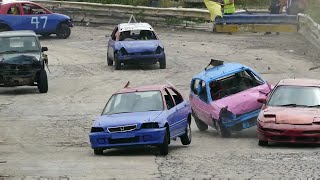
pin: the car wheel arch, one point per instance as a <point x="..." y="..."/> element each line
<point x="6" y="25"/>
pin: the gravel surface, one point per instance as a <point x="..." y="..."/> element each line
<point x="45" y="136"/>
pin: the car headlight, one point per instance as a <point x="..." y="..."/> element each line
<point x="159" y="50"/>
<point x="150" y="125"/>
<point x="123" y="51"/>
<point x="97" y="129"/>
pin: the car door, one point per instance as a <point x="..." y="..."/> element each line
<point x="200" y="101"/>
<point x="182" y="111"/>
<point x="111" y="43"/>
<point x="13" y="16"/>
<point x="171" y="113"/>
<point x="38" y="19"/>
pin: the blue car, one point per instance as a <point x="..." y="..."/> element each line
<point x="149" y="115"/>
<point x="23" y="15"/>
<point x="135" y="43"/>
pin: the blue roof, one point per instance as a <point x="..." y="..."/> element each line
<point x="220" y="71"/>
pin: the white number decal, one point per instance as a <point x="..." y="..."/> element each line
<point x="35" y="20"/>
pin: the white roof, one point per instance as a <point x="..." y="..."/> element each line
<point x="12" y="1"/>
<point x="135" y="26"/>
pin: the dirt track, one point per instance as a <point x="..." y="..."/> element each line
<point x="45" y="136"/>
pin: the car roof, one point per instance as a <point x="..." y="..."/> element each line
<point x="142" y="89"/>
<point x="17" y="33"/>
<point x="299" y="82"/>
<point x="14" y="1"/>
<point x="220" y="71"/>
<point x="135" y="26"/>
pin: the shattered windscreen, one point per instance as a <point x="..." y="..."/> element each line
<point x="18" y="45"/>
<point x="137" y="35"/>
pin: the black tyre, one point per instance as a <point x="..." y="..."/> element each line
<point x="110" y="62"/>
<point x="223" y="131"/>
<point x="163" y="63"/>
<point x="42" y="82"/>
<point x="117" y="63"/>
<point x="164" y="147"/>
<point x="98" y="151"/>
<point x="200" y="124"/>
<point x="263" y="143"/>
<point x="186" y="138"/>
<point x="45" y="35"/>
<point x="63" y="31"/>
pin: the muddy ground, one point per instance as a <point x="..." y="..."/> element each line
<point x="45" y="136"/>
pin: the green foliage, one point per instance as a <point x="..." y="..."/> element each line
<point x="125" y="2"/>
<point x="313" y="10"/>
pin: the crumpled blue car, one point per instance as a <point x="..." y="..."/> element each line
<point x="149" y="115"/>
<point x="135" y="43"/>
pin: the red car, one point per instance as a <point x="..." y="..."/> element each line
<point x="291" y="113"/>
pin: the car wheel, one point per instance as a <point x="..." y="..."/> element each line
<point x="45" y="34"/>
<point x="117" y="63"/>
<point x="223" y="131"/>
<point x="164" y="147"/>
<point x="110" y="62"/>
<point x="42" y="82"/>
<point x="263" y="143"/>
<point x="4" y="27"/>
<point x="63" y="31"/>
<point x="163" y="63"/>
<point x="186" y="138"/>
<point x="200" y="124"/>
<point x="98" y="151"/>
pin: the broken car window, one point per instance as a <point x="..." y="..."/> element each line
<point x="137" y="35"/>
<point x="168" y="99"/>
<point x="176" y="96"/>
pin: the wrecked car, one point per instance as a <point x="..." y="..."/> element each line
<point x="22" y="61"/>
<point x="291" y="113"/>
<point x="148" y="115"/>
<point x="135" y="43"/>
<point x="225" y="97"/>
<point x="26" y="15"/>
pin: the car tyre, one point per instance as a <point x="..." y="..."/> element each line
<point x="98" y="151"/>
<point x="63" y="31"/>
<point x="110" y="62"/>
<point x="117" y="63"/>
<point x="200" y="124"/>
<point x="42" y="82"/>
<point x="164" y="147"/>
<point x="45" y="35"/>
<point x="163" y="63"/>
<point x="223" y="131"/>
<point x="263" y="143"/>
<point x="187" y="137"/>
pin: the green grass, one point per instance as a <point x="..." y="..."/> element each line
<point x="314" y="10"/>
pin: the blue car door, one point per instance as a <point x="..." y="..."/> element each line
<point x="38" y="19"/>
<point x="182" y="112"/>
<point x="171" y="114"/>
<point x="111" y="44"/>
<point x="13" y="16"/>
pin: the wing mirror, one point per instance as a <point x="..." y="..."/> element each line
<point x="44" y="49"/>
<point x="262" y="100"/>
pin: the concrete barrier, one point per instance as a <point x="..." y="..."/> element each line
<point x="309" y="29"/>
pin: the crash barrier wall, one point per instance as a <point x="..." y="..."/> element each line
<point x="309" y="29"/>
<point x="96" y="13"/>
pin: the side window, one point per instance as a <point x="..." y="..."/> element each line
<point x="176" y="96"/>
<point x="255" y="77"/>
<point x="194" y="86"/>
<point x="202" y="91"/>
<point x="169" y="101"/>
<point x="32" y="9"/>
<point x="113" y="35"/>
<point x="14" y="9"/>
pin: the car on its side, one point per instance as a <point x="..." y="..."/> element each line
<point x="26" y="15"/>
<point x="291" y="113"/>
<point x="135" y="43"/>
<point x="147" y="115"/>
<point x="225" y="97"/>
<point x="22" y="61"/>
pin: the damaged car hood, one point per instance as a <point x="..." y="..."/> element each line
<point x="139" y="46"/>
<point x="23" y="58"/>
<point x="295" y="115"/>
<point x="245" y="101"/>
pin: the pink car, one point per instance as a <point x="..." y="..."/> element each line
<point x="225" y="97"/>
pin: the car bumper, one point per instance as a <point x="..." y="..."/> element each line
<point x="104" y="140"/>
<point x="243" y="121"/>
<point x="17" y="78"/>
<point x="142" y="59"/>
<point x="288" y="133"/>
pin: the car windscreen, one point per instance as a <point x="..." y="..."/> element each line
<point x="134" y="102"/>
<point x="18" y="44"/>
<point x="295" y="96"/>
<point x="134" y="35"/>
